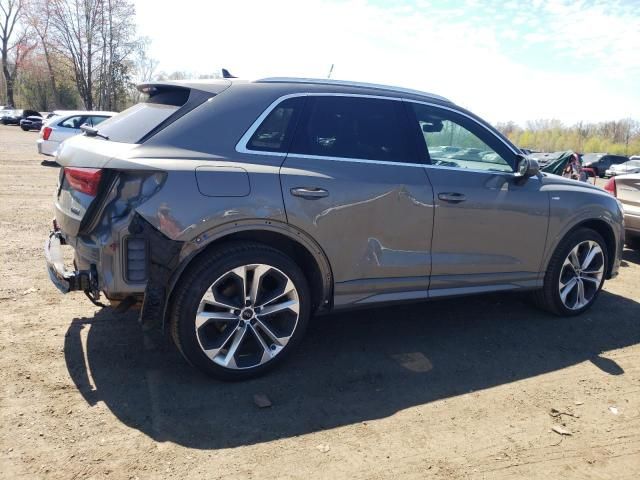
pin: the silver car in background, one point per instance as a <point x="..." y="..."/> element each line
<point x="231" y="212"/>
<point x="626" y="188"/>
<point x="632" y="166"/>
<point x="64" y="124"/>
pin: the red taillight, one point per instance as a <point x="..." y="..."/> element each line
<point x="610" y="187"/>
<point x="46" y="132"/>
<point x="85" y="180"/>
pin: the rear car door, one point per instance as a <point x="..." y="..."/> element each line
<point x="489" y="230"/>
<point x="351" y="180"/>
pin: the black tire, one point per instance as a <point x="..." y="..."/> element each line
<point x="25" y="129"/>
<point x="548" y="297"/>
<point x="197" y="279"/>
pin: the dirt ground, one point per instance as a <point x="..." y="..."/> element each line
<point x="456" y="389"/>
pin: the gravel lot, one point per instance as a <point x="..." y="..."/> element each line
<point x="467" y="388"/>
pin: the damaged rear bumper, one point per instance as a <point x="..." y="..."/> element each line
<point x="66" y="280"/>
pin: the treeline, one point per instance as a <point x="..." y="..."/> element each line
<point x="619" y="137"/>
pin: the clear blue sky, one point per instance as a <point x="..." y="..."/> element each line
<point x="505" y="60"/>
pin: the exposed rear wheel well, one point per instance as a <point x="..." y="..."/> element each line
<point x="296" y="251"/>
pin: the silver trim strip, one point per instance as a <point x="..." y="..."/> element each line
<point x="357" y="160"/>
<point x="348" y="83"/>
<point x="241" y="146"/>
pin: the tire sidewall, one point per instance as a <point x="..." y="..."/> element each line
<point x="202" y="278"/>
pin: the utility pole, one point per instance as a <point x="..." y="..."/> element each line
<point x="330" y="71"/>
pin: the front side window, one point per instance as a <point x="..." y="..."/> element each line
<point x="453" y="142"/>
<point x="275" y="132"/>
<point x="354" y="127"/>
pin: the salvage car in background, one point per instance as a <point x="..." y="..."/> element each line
<point x="600" y="162"/>
<point x="65" y="124"/>
<point x="13" y="117"/>
<point x="232" y="211"/>
<point x="33" y="122"/>
<point x="632" y="166"/>
<point x="626" y="188"/>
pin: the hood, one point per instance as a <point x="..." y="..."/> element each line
<point x="549" y="179"/>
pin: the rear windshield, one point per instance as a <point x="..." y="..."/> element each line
<point x="135" y="122"/>
<point x="131" y="125"/>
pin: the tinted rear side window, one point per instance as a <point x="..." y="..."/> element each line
<point x="353" y="127"/>
<point x="275" y="132"/>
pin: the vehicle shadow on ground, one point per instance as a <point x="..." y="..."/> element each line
<point x="49" y="163"/>
<point x="351" y="367"/>
<point x="630" y="256"/>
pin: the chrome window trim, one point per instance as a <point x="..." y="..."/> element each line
<point x="356" y="160"/>
<point x="241" y="146"/>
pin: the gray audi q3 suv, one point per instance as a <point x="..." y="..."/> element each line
<point x="231" y="211"/>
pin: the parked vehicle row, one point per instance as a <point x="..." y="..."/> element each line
<point x="631" y="166"/>
<point x="231" y="211"/>
<point x="599" y="164"/>
<point x="9" y="116"/>
<point x="65" y="124"/>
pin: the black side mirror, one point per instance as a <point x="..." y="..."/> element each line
<point x="526" y="168"/>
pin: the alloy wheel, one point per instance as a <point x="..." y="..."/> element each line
<point x="247" y="316"/>
<point x="581" y="275"/>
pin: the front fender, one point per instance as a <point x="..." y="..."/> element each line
<point x="574" y="208"/>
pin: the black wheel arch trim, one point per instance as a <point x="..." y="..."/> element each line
<point x="586" y="222"/>
<point x="190" y="251"/>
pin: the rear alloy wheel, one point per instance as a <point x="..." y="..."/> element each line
<point x="575" y="274"/>
<point x="247" y="316"/>
<point x="251" y="307"/>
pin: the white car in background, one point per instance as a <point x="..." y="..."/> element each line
<point x="65" y="124"/>
<point x="632" y="166"/>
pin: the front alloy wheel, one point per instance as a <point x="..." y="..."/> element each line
<point x="247" y="316"/>
<point x="575" y="273"/>
<point x="581" y="275"/>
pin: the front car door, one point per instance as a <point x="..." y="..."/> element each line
<point x="489" y="229"/>
<point x="351" y="181"/>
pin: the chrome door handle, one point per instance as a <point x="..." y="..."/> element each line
<point x="452" y="197"/>
<point x="309" y="193"/>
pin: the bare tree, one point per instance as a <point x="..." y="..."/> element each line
<point x="75" y="23"/>
<point x="38" y="16"/>
<point x="96" y="36"/>
<point x="14" y="44"/>
<point x="144" y="67"/>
